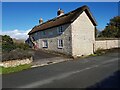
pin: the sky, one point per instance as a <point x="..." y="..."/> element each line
<point x="18" y="18"/>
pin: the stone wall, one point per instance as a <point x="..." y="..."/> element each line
<point x="106" y="44"/>
<point x="52" y="37"/>
<point x="14" y="63"/>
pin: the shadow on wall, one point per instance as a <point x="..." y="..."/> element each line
<point x="110" y="82"/>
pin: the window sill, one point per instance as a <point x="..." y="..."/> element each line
<point x="45" y="47"/>
<point x="60" y="47"/>
<point x="60" y="33"/>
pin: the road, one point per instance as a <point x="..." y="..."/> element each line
<point x="98" y="71"/>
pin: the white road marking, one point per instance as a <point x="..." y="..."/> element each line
<point x="116" y="59"/>
<point x="64" y="75"/>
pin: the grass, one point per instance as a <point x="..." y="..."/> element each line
<point x="93" y="55"/>
<point x="14" y="69"/>
<point x="100" y="52"/>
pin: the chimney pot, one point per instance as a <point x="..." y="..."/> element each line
<point x="40" y="21"/>
<point x="60" y="12"/>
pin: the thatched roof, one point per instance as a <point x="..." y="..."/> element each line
<point x="64" y="19"/>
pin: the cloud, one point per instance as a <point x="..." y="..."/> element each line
<point x="18" y="34"/>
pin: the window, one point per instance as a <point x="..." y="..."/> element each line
<point x="43" y="33"/>
<point x="60" y="43"/>
<point x="36" y="34"/>
<point x="50" y="33"/>
<point x="45" y="44"/>
<point x="60" y="30"/>
<point x="32" y="38"/>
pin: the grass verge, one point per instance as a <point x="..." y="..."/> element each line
<point x="104" y="51"/>
<point x="14" y="69"/>
<point x="100" y="52"/>
<point x="93" y="55"/>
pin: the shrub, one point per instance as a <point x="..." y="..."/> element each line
<point x="7" y="43"/>
<point x="7" y="39"/>
<point x="23" y="46"/>
<point x="16" y="54"/>
<point x="8" y="47"/>
<point x="14" y="50"/>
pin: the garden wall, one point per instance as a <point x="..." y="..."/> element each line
<point x="14" y="63"/>
<point x="106" y="44"/>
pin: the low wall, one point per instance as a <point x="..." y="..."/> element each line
<point x="106" y="44"/>
<point x="14" y="63"/>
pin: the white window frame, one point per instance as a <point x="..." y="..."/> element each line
<point x="60" y="29"/>
<point x="60" y="43"/>
<point x="45" y="43"/>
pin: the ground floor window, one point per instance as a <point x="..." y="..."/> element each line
<point x="45" y="43"/>
<point x="60" y="43"/>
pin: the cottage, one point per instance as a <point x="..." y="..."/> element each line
<point x="72" y="33"/>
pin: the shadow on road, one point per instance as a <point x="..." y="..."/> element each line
<point x="110" y="82"/>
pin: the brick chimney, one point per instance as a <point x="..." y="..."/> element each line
<point x="60" y="12"/>
<point x="40" y="21"/>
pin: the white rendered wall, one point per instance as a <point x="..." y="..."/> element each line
<point x="83" y="36"/>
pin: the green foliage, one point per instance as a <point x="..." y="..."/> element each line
<point x="7" y="43"/>
<point x="93" y="55"/>
<point x="23" y="46"/>
<point x="7" y="47"/>
<point x="7" y="39"/>
<point x="12" y="51"/>
<point x="112" y="29"/>
<point x="14" y="69"/>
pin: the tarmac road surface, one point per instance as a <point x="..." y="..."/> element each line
<point x="98" y="71"/>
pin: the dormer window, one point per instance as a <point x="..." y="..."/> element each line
<point x="60" y="30"/>
<point x="36" y="34"/>
<point x="43" y="33"/>
<point x="50" y="33"/>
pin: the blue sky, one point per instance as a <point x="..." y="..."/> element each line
<point x="20" y="17"/>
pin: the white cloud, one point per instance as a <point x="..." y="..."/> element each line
<point x="18" y="34"/>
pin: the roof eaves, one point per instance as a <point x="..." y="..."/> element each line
<point x="49" y="28"/>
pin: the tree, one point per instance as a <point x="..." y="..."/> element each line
<point x="112" y="29"/>
<point x="7" y="43"/>
<point x="7" y="39"/>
